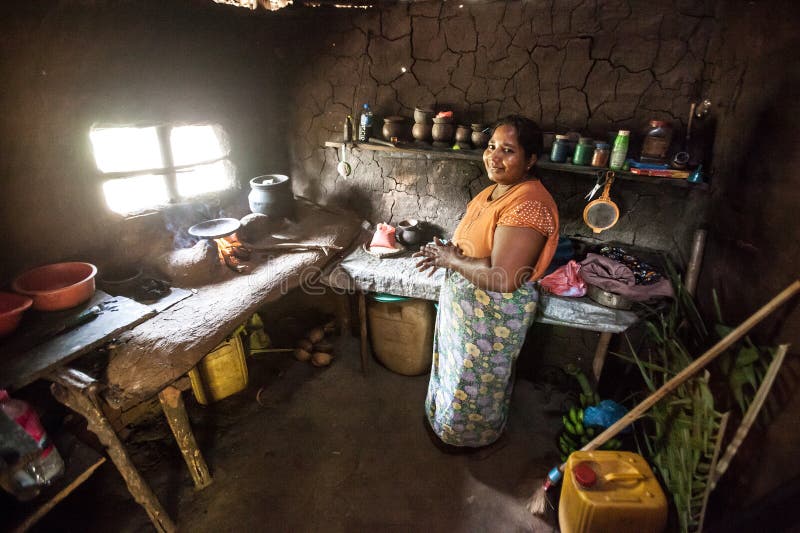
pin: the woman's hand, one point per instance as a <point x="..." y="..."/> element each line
<point x="437" y="254"/>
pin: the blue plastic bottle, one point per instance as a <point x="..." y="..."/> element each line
<point x="365" y="124"/>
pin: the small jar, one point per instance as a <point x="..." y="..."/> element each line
<point x="657" y="139"/>
<point x="559" y="152"/>
<point x="583" y="152"/>
<point x="600" y="156"/>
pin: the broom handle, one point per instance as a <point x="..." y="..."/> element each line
<point x="696" y="365"/>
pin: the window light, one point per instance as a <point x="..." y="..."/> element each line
<point x="150" y="167"/>
<point x="137" y="193"/>
<point x="126" y="149"/>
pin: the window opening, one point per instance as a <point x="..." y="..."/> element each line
<point x="151" y="167"/>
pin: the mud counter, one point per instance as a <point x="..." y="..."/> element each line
<point x="151" y="358"/>
<point x="362" y="272"/>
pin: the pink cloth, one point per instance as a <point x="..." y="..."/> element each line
<point x="384" y="237"/>
<point x="613" y="276"/>
<point x="565" y="281"/>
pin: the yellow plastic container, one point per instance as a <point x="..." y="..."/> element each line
<point x="221" y="373"/>
<point x="610" y="492"/>
<point x="401" y="330"/>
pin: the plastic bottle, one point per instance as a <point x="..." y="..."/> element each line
<point x="620" y="150"/>
<point x="365" y="124"/>
<point x="41" y="470"/>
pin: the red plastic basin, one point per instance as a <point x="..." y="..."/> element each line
<point x="11" y="308"/>
<point x="57" y="286"/>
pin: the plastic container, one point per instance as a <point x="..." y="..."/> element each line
<point x="583" y="152"/>
<point x="558" y="154"/>
<point x="657" y="139"/>
<point x="221" y="373"/>
<point x="365" y="124"/>
<point x="600" y="156"/>
<point x="42" y="470"/>
<point x="58" y="286"/>
<point x="610" y="492"/>
<point x="401" y="330"/>
<point x="12" y="306"/>
<point x="620" y="150"/>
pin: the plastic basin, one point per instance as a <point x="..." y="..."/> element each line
<point x="11" y="308"/>
<point x="57" y="286"/>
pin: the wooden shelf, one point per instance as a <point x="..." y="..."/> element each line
<point x="420" y="151"/>
<point x="544" y="163"/>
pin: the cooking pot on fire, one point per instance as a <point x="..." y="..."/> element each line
<point x="271" y="195"/>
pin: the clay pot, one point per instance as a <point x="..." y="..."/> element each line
<point x="442" y="132"/>
<point x="409" y="232"/>
<point x="423" y="115"/>
<point x="271" y="195"/>
<point x="479" y="139"/>
<point x="463" y="134"/>
<point x="393" y="127"/>
<point x="421" y="132"/>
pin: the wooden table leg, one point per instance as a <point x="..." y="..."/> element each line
<point x="175" y="411"/>
<point x="345" y="317"/>
<point x="362" y="317"/>
<point x="600" y="354"/>
<point x="79" y="392"/>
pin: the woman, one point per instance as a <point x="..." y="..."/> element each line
<point x="504" y="242"/>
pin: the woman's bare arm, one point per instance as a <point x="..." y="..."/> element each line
<point x="514" y="253"/>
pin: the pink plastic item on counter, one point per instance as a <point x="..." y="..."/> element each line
<point x="565" y="281"/>
<point x="384" y="237"/>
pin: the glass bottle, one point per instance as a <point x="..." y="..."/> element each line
<point x="600" y="156"/>
<point x="559" y="152"/>
<point x="583" y="152"/>
<point x="655" y="147"/>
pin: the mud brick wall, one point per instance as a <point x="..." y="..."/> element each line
<point x="591" y="67"/>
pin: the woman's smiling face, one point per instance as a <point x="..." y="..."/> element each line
<point x="504" y="158"/>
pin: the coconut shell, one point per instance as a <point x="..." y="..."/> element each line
<point x="316" y="335"/>
<point x="302" y="355"/>
<point x="305" y="344"/>
<point x="321" y="359"/>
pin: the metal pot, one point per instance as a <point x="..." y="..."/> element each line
<point x="608" y="299"/>
<point x="271" y="195"/>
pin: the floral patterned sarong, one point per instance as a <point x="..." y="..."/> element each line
<point x="478" y="337"/>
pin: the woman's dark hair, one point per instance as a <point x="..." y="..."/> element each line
<point x="528" y="133"/>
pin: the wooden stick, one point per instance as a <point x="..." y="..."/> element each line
<point x="696" y="365"/>
<point x="78" y="391"/>
<point x="175" y="412"/>
<point x="600" y="354"/>
<point x="750" y="416"/>
<point x="63" y="493"/>
<point x="723" y="423"/>
<point x="693" y="270"/>
<point x="362" y="318"/>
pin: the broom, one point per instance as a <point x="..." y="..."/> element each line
<point x="538" y="502"/>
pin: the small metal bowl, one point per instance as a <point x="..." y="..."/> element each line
<point x="608" y="299"/>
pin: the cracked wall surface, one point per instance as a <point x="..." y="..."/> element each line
<point x="591" y="66"/>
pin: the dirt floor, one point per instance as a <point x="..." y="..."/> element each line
<point x="327" y="450"/>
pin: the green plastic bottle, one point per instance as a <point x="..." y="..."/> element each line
<point x="619" y="151"/>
